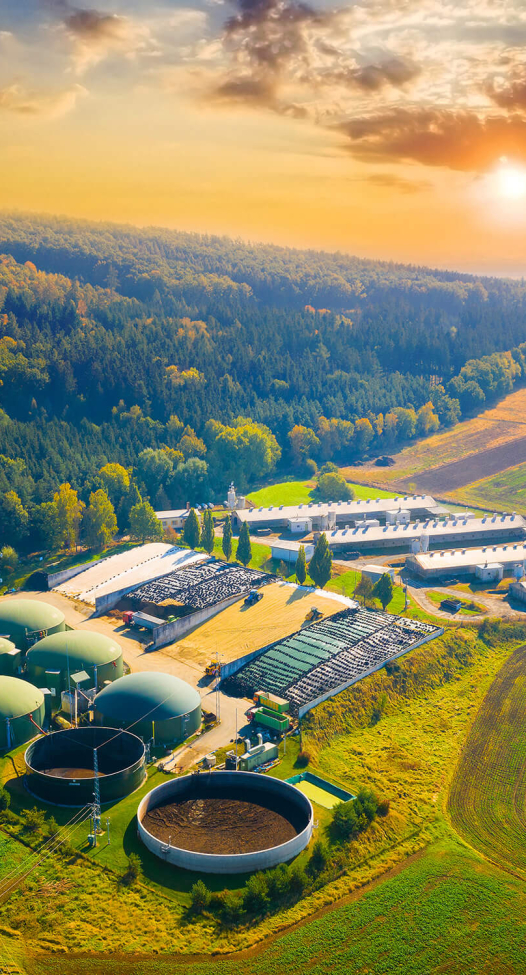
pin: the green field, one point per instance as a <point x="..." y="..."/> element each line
<point x="487" y="803"/>
<point x="300" y="492"/>
<point x="505" y="491"/>
<point x="468" y="607"/>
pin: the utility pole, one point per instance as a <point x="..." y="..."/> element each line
<point x="236" y="739"/>
<point x="108" y="830"/>
<point x="96" y="795"/>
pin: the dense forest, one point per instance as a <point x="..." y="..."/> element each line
<point x="196" y="359"/>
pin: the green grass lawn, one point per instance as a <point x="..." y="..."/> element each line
<point x="468" y="607"/>
<point x="300" y="492"/>
<point x="56" y="562"/>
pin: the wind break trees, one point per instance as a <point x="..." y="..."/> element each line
<point x="320" y="565"/>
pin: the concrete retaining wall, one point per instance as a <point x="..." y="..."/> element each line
<point x="342" y="687"/>
<point x="55" y="579"/>
<point x="169" y="632"/>
<point x="233" y="863"/>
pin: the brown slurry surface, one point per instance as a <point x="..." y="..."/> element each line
<point x="214" y="825"/>
<point x="71" y="773"/>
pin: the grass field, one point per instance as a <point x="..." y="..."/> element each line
<point x="299" y="492"/>
<point x="487" y="803"/>
<point x="505" y="491"/>
<point x="468" y="607"/>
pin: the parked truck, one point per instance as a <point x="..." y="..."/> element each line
<point x="139" y="620"/>
<point x="271" y="702"/>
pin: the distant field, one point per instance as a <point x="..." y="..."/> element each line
<point x="506" y="490"/>
<point x="421" y="465"/>
<point x="299" y="492"/>
<point x="487" y="802"/>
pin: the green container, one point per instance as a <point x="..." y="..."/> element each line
<point x="270" y="720"/>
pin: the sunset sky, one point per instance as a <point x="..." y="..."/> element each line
<point x="389" y="128"/>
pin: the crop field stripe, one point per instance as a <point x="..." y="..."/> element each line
<point x="487" y="801"/>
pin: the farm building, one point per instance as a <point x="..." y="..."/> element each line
<point x="152" y="705"/>
<point x="288" y="551"/>
<point x="326" y="657"/>
<point x="422" y="535"/>
<point x="375" y="572"/>
<point x="518" y="590"/>
<point x="55" y="661"/>
<point x="174" y="519"/>
<point x="428" y="565"/>
<point x="21" y="711"/>
<point x="24" y="621"/>
<point x="324" y="515"/>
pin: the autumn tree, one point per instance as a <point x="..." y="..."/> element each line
<point x="320" y="565"/>
<point x="364" y="589"/>
<point x="244" y="549"/>
<point x="303" y="444"/>
<point x="334" y="487"/>
<point x="363" y="434"/>
<point x="116" y="481"/>
<point x="99" y="522"/>
<point x="69" y="511"/>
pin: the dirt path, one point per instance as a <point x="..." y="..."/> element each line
<point x="494" y="605"/>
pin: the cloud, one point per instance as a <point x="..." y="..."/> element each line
<point x="39" y="104"/>
<point x="95" y="35"/>
<point x="460" y="140"/>
<point x="509" y="93"/>
<point x="390" y="181"/>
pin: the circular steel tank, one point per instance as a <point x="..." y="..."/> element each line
<point x="59" y="766"/>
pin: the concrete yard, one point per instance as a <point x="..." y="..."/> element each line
<point x="239" y="630"/>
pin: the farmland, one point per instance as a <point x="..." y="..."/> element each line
<point x="300" y="492"/>
<point x="485" y="445"/>
<point x="487" y="803"/>
<point x="505" y="490"/>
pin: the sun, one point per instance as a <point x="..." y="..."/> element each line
<point x="510" y="181"/>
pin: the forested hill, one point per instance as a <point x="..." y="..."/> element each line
<point x="223" y="357"/>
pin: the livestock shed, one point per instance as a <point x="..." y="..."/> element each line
<point x="433" y="565"/>
<point x="324" y="515"/>
<point x="52" y="662"/>
<point x="375" y="572"/>
<point x="518" y="591"/>
<point x="175" y="518"/>
<point x="24" y="621"/>
<point x="150" y="704"/>
<point x="464" y="530"/>
<point x="21" y="711"/>
<point x="10" y="658"/>
<point x="288" y="551"/>
<point x="326" y="657"/>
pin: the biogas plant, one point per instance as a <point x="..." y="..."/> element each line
<point x="189" y="770"/>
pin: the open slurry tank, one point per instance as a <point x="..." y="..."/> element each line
<point x="225" y="822"/>
<point x="60" y="766"/>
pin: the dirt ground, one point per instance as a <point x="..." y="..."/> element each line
<point x="214" y="825"/>
<point x="240" y="629"/>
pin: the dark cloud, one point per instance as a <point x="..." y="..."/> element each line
<point x="394" y="71"/>
<point x="270" y="33"/>
<point x="92" y="26"/>
<point x="511" y="93"/>
<point x="437" y="137"/>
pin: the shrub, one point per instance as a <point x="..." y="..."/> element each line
<point x="200" y="897"/>
<point x="256" y="893"/>
<point x="133" y="870"/>
<point x="383" y="807"/>
<point x="352" y="818"/>
<point x="278" y="883"/>
<point x="303" y="759"/>
<point x="318" y="858"/>
<point x="297" y="880"/>
<point x="34" y="820"/>
<point x="5" y="799"/>
<point x="232" y="908"/>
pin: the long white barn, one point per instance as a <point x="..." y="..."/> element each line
<point x="324" y="515"/>
<point x="428" y="533"/>
<point x="429" y="565"/>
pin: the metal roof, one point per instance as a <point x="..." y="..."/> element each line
<point x="451" y="559"/>
<point x="6" y="646"/>
<point x="437" y="530"/>
<point x="74" y="649"/>
<point x="29" y="614"/>
<point x="17" y="697"/>
<point x="146" y="694"/>
<point x="177" y="513"/>
<point x="351" y="509"/>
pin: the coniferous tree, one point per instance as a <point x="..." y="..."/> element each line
<point x="227" y="538"/>
<point x="320" y="565"/>
<point x="301" y="566"/>
<point x="383" y="590"/>
<point x="192" y="529"/>
<point x="244" y="549"/>
<point x="208" y="535"/>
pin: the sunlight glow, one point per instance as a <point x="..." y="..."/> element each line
<point x="511" y="182"/>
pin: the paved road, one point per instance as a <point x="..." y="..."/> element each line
<point x="137" y="659"/>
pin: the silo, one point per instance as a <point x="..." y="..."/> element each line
<point x="10" y="658"/>
<point x="53" y="662"/>
<point x="24" y="621"/>
<point x="19" y="702"/>
<point x="152" y="705"/>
